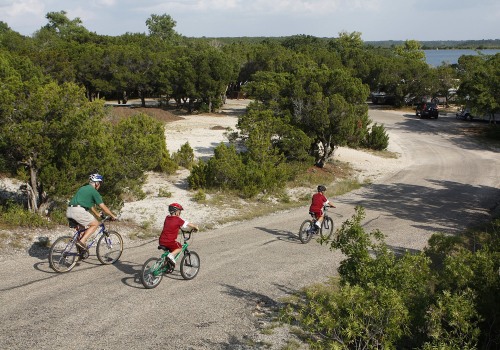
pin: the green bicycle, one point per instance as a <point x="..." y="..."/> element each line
<point x="154" y="268"/>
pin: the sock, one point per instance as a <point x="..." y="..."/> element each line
<point x="171" y="256"/>
<point x="317" y="224"/>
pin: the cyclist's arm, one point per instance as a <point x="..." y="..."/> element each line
<point x="95" y="212"/>
<point x="106" y="211"/>
<point x="193" y="226"/>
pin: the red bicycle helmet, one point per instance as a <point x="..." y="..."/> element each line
<point x="173" y="207"/>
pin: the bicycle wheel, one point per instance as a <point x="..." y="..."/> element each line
<point x="305" y="232"/>
<point x="327" y="228"/>
<point x="190" y="265"/>
<point x="109" y="248"/>
<point x="63" y="254"/>
<point x="151" y="273"/>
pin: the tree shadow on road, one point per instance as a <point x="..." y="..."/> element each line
<point x="459" y="134"/>
<point x="442" y="206"/>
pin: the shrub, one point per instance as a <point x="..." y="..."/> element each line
<point x="200" y="196"/>
<point x="13" y="214"/>
<point x="452" y="322"/>
<point x="164" y="192"/>
<point x="167" y="164"/>
<point x="185" y="156"/>
<point x="371" y="317"/>
<point x="377" y="138"/>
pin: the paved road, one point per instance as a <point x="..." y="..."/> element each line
<point x="449" y="183"/>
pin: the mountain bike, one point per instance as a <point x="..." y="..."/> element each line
<point x="308" y="228"/>
<point x="154" y="268"/>
<point x="64" y="253"/>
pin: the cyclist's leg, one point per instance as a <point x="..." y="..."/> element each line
<point x="92" y="227"/>
<point x="174" y="249"/>
<point x="319" y="219"/>
<point x="85" y="219"/>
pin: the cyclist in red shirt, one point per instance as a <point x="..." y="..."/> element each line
<point x="318" y="202"/>
<point x="171" y="226"/>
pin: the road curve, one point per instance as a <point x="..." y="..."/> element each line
<point x="450" y="182"/>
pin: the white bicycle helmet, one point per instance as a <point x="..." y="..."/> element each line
<point x="96" y="178"/>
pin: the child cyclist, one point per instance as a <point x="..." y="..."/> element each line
<point x="318" y="202"/>
<point x="171" y="226"/>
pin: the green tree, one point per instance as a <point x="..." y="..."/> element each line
<point x="140" y="145"/>
<point x="480" y="83"/>
<point x="327" y="105"/>
<point x="411" y="49"/>
<point x="162" y="27"/>
<point x="50" y="132"/>
<point x="214" y="71"/>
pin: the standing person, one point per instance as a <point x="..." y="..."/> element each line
<point x="84" y="201"/>
<point x="171" y="226"/>
<point x="318" y="202"/>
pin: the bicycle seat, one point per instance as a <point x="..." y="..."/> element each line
<point x="73" y="223"/>
<point x="162" y="247"/>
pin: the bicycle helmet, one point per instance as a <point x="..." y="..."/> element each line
<point x="172" y="208"/>
<point x="96" y="178"/>
<point x="321" y="188"/>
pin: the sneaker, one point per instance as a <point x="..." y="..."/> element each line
<point x="172" y="261"/>
<point x="81" y="245"/>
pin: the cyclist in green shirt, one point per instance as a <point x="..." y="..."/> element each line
<point x="83" y="203"/>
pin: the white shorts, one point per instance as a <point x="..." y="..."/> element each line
<point x="80" y="215"/>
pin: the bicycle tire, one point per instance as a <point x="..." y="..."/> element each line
<point x="109" y="248"/>
<point x="305" y="231"/>
<point x="63" y="254"/>
<point x="151" y="273"/>
<point x="190" y="265"/>
<point x="327" y="228"/>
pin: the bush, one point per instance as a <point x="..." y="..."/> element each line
<point x="13" y="214"/>
<point x="229" y="170"/>
<point x="200" y="196"/>
<point x="185" y="156"/>
<point x="452" y="322"/>
<point x="377" y="138"/>
<point x="167" y="164"/>
<point x="354" y="317"/>
<point x="164" y="192"/>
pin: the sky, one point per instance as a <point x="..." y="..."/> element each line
<point x="422" y="20"/>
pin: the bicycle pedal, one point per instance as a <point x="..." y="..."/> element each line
<point x="84" y="254"/>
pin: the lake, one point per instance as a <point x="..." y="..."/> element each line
<point x="437" y="57"/>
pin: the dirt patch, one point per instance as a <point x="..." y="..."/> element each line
<point x="160" y="114"/>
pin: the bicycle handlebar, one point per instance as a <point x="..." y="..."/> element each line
<point x="187" y="233"/>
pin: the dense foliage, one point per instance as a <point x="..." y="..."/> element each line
<point x="447" y="297"/>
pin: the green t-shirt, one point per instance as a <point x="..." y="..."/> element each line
<point x="86" y="196"/>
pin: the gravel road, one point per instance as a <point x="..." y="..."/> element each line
<point x="449" y="182"/>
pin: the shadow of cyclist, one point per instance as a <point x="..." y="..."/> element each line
<point x="285" y="236"/>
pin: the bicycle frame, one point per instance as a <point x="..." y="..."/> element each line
<point x="186" y="235"/>
<point x="78" y="232"/>
<point x="325" y="214"/>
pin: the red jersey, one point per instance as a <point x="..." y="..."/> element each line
<point x="170" y="230"/>
<point x="318" y="201"/>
